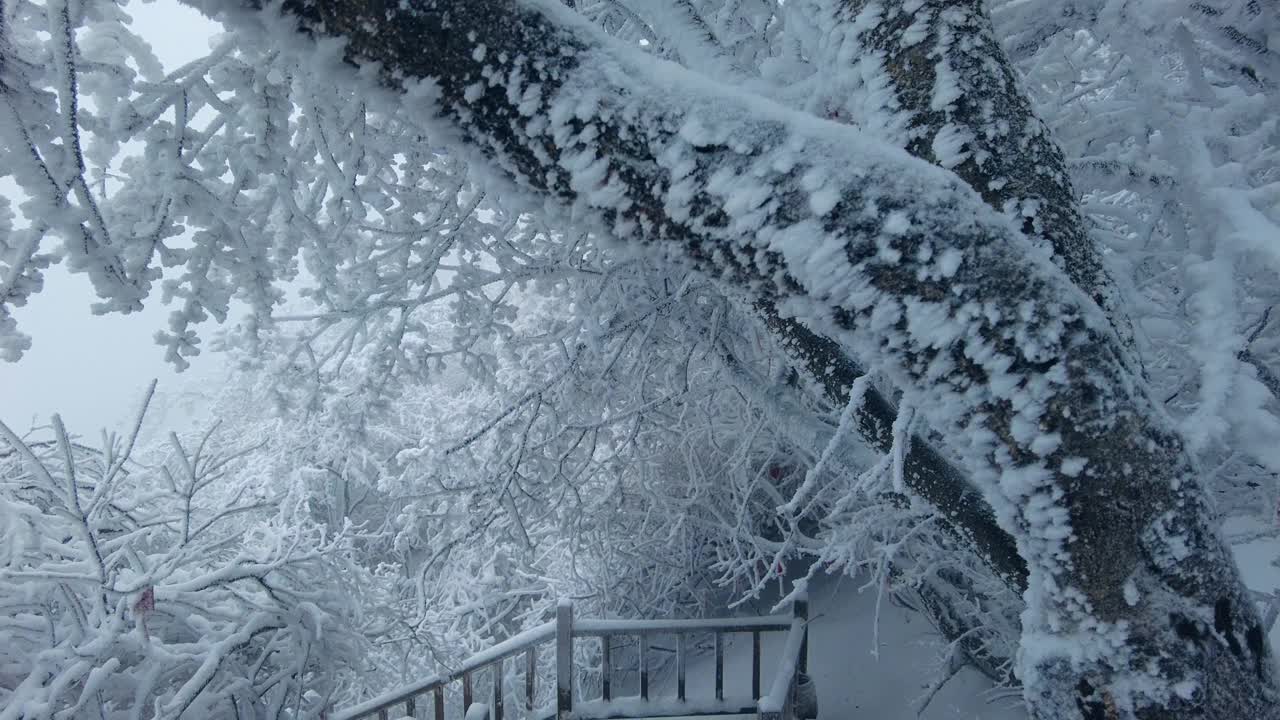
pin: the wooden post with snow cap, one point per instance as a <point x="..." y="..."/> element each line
<point x="719" y="636"/>
<point x="496" y="671"/>
<point x="530" y="676"/>
<point x="564" y="659"/>
<point x="800" y="611"/>
<point x="792" y="695"/>
<point x="804" y="695"/>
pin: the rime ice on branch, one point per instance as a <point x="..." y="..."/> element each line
<point x="913" y="271"/>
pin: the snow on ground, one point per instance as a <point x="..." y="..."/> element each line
<point x="1257" y="565"/>
<point x="864" y="668"/>
<point x="1257" y="561"/>
<point x="854" y="681"/>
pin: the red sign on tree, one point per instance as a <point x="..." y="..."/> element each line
<point x="147" y="601"/>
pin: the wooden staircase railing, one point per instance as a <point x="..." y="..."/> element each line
<point x="779" y="704"/>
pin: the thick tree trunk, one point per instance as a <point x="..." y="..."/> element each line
<point x="960" y="507"/>
<point x="963" y="110"/>
<point x="1134" y="604"/>
<point x="925" y="471"/>
<point x="1013" y="164"/>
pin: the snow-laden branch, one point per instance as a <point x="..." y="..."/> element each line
<point x="928" y="473"/>
<point x="104" y="615"/>
<point x="850" y="47"/>
<point x="905" y="264"/>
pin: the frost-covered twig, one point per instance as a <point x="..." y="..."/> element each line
<point x="1044" y="395"/>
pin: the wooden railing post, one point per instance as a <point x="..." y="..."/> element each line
<point x="719" y="665"/>
<point x="496" y="671"/>
<point x="680" y="665"/>
<point x="564" y="660"/>
<point x="755" y="665"/>
<point x="643" y="642"/>
<point x="606" y="667"/>
<point x="800" y="611"/>
<point x="802" y="697"/>
<point x="530" y="676"/>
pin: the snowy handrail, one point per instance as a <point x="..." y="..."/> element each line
<point x="564" y="629"/>
<point x="643" y="629"/>
<point x="794" y="663"/>
<point x="782" y="691"/>
<point x="407" y="696"/>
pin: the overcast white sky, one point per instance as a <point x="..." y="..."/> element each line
<point x="93" y="369"/>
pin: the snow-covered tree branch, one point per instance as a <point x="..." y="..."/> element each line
<point x="914" y="272"/>
<point x="135" y="590"/>
<point x="655" y="303"/>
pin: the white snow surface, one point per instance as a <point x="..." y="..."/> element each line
<point x="857" y="678"/>
<point x="1259" y="562"/>
<point x="862" y="671"/>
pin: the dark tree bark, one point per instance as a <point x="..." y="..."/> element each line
<point x="1005" y="152"/>
<point x="925" y="471"/>
<point x="1013" y="165"/>
<point x="1134" y="603"/>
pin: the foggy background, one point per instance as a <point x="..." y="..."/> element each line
<point x="93" y="369"/>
